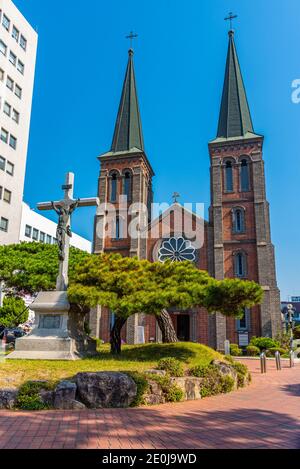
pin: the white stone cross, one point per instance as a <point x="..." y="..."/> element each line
<point x="64" y="208"/>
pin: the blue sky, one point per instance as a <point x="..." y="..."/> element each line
<point x="179" y="61"/>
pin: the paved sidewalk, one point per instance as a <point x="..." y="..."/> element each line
<point x="265" y="415"/>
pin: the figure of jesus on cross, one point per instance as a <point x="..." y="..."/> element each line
<point x="64" y="208"/>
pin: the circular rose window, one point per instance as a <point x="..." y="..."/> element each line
<point x="176" y="249"/>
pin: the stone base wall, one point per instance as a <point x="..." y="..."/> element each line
<point x="110" y="389"/>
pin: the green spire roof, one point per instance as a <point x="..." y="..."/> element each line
<point x="128" y="129"/>
<point x="235" y="119"/>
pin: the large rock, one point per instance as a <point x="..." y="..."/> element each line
<point x="156" y="372"/>
<point x="105" y="389"/>
<point x="155" y="394"/>
<point x="77" y="405"/>
<point x="190" y="386"/>
<point x="64" y="395"/>
<point x="8" y="398"/>
<point x="226" y="370"/>
<point x="47" y="397"/>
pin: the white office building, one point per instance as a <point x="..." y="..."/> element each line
<point x="18" y="46"/>
<point x="36" y="227"/>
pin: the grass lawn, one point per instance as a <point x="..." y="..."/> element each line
<point x="133" y="358"/>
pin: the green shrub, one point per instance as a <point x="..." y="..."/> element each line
<point x="252" y="351"/>
<point x="213" y="381"/>
<point x="13" y="312"/>
<point x="142" y="387"/>
<point x="229" y="359"/>
<point x="242" y="373"/>
<point x="264" y="343"/>
<point x="200" y="371"/>
<point x="235" y="350"/>
<point x="227" y="384"/>
<point x="216" y="384"/>
<point x="172" y="366"/>
<point x="273" y="350"/>
<point x="28" y="396"/>
<point x="171" y="392"/>
<point x="283" y="339"/>
<point x="240" y="368"/>
<point x="211" y="384"/>
<point x="174" y="393"/>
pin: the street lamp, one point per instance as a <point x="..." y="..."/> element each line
<point x="291" y="323"/>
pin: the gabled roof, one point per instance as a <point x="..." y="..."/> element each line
<point x="175" y="207"/>
<point x="128" y="129"/>
<point x="235" y="119"/>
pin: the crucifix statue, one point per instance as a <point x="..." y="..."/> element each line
<point x="64" y="208"/>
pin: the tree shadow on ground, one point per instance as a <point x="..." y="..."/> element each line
<point x="293" y="389"/>
<point x="165" y="427"/>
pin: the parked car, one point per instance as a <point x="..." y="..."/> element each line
<point x="11" y="334"/>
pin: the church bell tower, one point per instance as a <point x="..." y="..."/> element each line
<point x="124" y="188"/>
<point x="125" y="172"/>
<point x="239" y="212"/>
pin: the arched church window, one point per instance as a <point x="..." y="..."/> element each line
<point x="240" y="265"/>
<point x="229" y="176"/>
<point x="114" y="187"/>
<point x="245" y="179"/>
<point x="238" y="220"/>
<point x="127" y="185"/>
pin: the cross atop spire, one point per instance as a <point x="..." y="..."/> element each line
<point x="128" y="129"/>
<point x="131" y="36"/>
<point x="230" y="18"/>
<point x="235" y="119"/>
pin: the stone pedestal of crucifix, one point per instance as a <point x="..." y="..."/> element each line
<point x="58" y="332"/>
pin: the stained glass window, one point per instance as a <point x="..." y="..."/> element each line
<point x="177" y="249"/>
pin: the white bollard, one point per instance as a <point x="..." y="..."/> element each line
<point x="227" y="347"/>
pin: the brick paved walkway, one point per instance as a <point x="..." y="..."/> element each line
<point x="265" y="415"/>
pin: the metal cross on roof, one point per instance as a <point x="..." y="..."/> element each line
<point x="230" y="18"/>
<point x="131" y="36"/>
<point x="175" y="196"/>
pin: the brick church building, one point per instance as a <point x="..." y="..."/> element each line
<point x="236" y="238"/>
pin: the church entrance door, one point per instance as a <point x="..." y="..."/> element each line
<point x="183" y="327"/>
